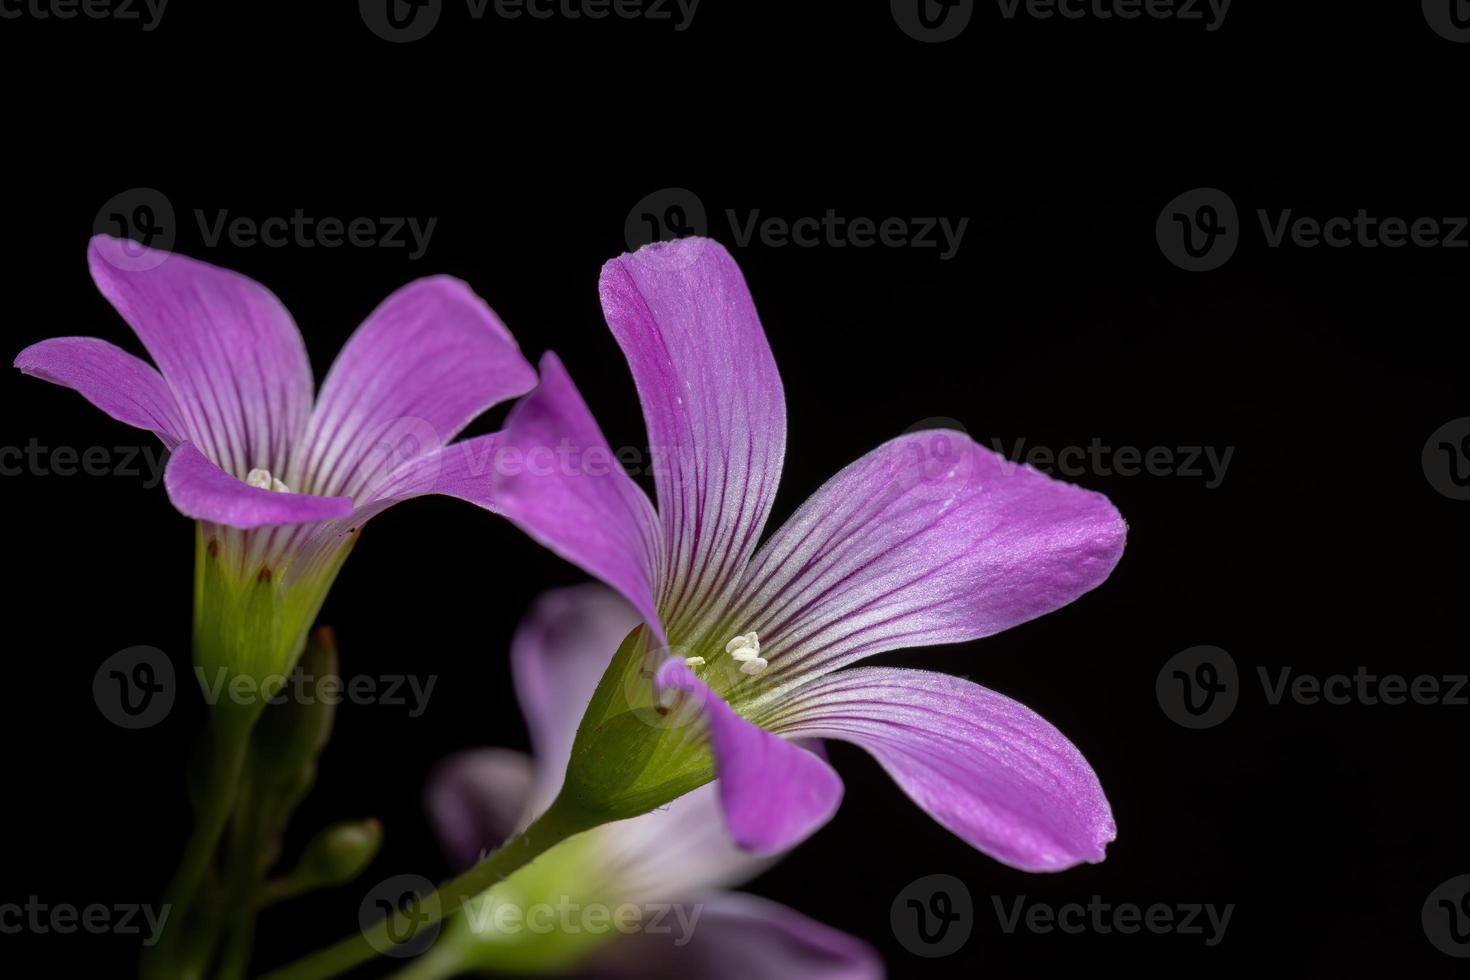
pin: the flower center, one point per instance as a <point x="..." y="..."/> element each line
<point x="262" y="478"/>
<point x="746" y="651"/>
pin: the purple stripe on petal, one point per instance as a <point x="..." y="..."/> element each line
<point x="930" y="538"/>
<point x="125" y="387"/>
<point x="475" y="801"/>
<point x="558" y="481"/>
<point x="738" y="937"/>
<point x="428" y="360"/>
<point x="202" y="490"/>
<point x="713" y="404"/>
<point x="462" y="469"/>
<point x="226" y="347"/>
<point x="775" y="793"/>
<point x="988" y="768"/>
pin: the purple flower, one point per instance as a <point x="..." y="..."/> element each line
<point x="680" y="855"/>
<point x="281" y="484"/>
<point x="928" y="539"/>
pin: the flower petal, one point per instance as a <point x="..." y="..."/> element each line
<point x="475" y="801"/>
<point x="986" y="767"/>
<point x="713" y="404"/>
<point x="774" y="793"/>
<point x="428" y="360"/>
<point x="738" y="936"/>
<point x="461" y="469"/>
<point x="559" y="653"/>
<point x="679" y="849"/>
<point x="557" y="480"/>
<point x="125" y="387"/>
<point x="930" y="538"/>
<point x="202" y="490"/>
<point x="226" y="347"/>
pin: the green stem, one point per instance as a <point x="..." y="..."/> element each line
<point x="229" y="745"/>
<point x="557" y="824"/>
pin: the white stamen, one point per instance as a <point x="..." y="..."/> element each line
<point x="262" y="479"/>
<point x="744" y="648"/>
<point x="694" y="661"/>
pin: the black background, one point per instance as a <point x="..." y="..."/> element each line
<point x="1059" y="321"/>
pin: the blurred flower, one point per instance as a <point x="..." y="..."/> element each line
<point x="636" y="898"/>
<point x="280" y="483"/>
<point x="928" y="539"/>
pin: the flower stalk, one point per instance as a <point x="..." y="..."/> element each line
<point x="561" y="821"/>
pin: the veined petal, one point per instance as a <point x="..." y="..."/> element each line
<point x="558" y="654"/>
<point x="774" y="793"/>
<point x="226" y="347"/>
<point x="202" y="490"/>
<point x="476" y="800"/>
<point x="930" y="538"/>
<point x="738" y="936"/>
<point x="428" y="360"/>
<point x="713" y="404"/>
<point x="463" y="469"/>
<point x="988" y="768"/>
<point x="125" y="387"/>
<point x="558" y="481"/>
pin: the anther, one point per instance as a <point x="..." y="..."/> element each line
<point x="262" y="479"/>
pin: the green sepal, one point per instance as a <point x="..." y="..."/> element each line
<point x="634" y="750"/>
<point x="250" y="622"/>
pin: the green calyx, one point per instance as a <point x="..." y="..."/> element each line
<point x="636" y="750"/>
<point x="250" y="623"/>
